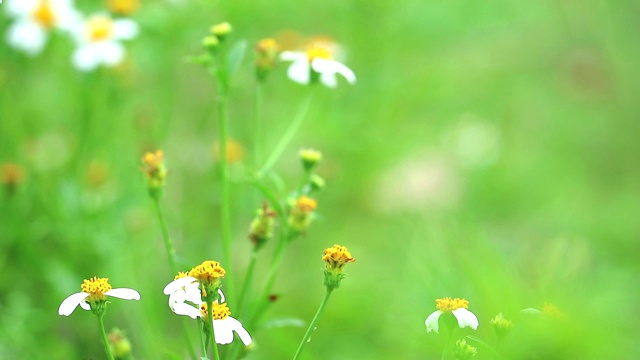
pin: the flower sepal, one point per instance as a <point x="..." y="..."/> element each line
<point x="332" y="278"/>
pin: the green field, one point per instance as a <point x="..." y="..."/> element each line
<point x="488" y="151"/>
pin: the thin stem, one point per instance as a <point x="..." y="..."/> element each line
<point x="311" y="327"/>
<point x="248" y="281"/>
<point x="216" y="355"/>
<point x="225" y="210"/>
<point x="263" y="300"/>
<point x="257" y="124"/>
<point x="187" y="340"/>
<point x="104" y="338"/>
<point x="447" y="345"/>
<point x="203" y="342"/>
<point x="168" y="245"/>
<point x="288" y="135"/>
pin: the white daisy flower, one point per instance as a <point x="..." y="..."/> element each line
<point x="185" y="299"/>
<point x="34" y="19"/>
<point x="93" y="291"/>
<point x="98" y="39"/>
<point x="457" y="307"/>
<point x="316" y="64"/>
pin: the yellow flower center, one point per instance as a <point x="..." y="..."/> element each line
<point x="337" y="256"/>
<point x="208" y="272"/>
<point x="96" y="287"/>
<point x="220" y="311"/>
<point x="449" y="304"/>
<point x="180" y="275"/>
<point x="319" y="52"/>
<point x="99" y="28"/>
<point x="44" y="15"/>
<point x="267" y="45"/>
<point x="123" y="7"/>
<point x="306" y="204"/>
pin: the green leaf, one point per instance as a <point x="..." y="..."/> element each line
<point x="236" y="54"/>
<point x="284" y="322"/>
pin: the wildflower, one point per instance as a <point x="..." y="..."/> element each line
<point x="262" y="226"/>
<point x="123" y="7"/>
<point x="224" y="325"/>
<point x="501" y="325"/>
<point x="463" y="351"/>
<point x="267" y="51"/>
<point x="34" y="19"/>
<point x="310" y="158"/>
<point x="94" y="296"/>
<point x="457" y="307"/>
<point x="98" y="39"/>
<point x="119" y="344"/>
<point x="11" y="175"/>
<point x="301" y="213"/>
<point x="316" y="64"/>
<point x="184" y="290"/>
<point x="221" y="30"/>
<point x="207" y="276"/>
<point x="155" y="169"/>
<point x="335" y="258"/>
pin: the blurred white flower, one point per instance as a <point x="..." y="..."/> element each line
<point x="316" y="64"/>
<point x="457" y="307"/>
<point x="98" y="39"/>
<point x="34" y="19"/>
<point x="186" y="290"/>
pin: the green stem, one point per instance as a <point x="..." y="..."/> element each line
<point x="104" y="338"/>
<point x="168" y="245"/>
<point x="311" y="327"/>
<point x="203" y="341"/>
<point x="187" y="340"/>
<point x="263" y="300"/>
<point x="288" y="135"/>
<point x="216" y="355"/>
<point x="257" y="125"/>
<point x="447" y="345"/>
<point x="225" y="210"/>
<point x="248" y="281"/>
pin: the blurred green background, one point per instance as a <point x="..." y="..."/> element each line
<point x="488" y="151"/>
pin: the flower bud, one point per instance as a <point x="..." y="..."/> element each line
<point x="463" y="351"/>
<point x="301" y="213"/>
<point x="262" y="226"/>
<point x="155" y="169"/>
<point x="221" y="30"/>
<point x="335" y="258"/>
<point x="501" y="325"/>
<point x="119" y="344"/>
<point x="267" y="51"/>
<point x="310" y="158"/>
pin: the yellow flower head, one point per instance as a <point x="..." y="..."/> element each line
<point x="336" y="257"/>
<point x="310" y="158"/>
<point x="181" y="274"/>
<point x="154" y="167"/>
<point x="317" y="51"/>
<point x="44" y="14"/>
<point x="221" y="29"/>
<point x="209" y="272"/>
<point x="306" y="204"/>
<point x="96" y="287"/>
<point x="234" y="151"/>
<point x="448" y="304"/>
<point x="123" y="7"/>
<point x="220" y="311"/>
<point x="267" y="46"/>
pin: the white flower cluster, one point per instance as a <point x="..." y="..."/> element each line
<point x="97" y="37"/>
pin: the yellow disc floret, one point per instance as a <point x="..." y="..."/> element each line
<point x="43" y="14"/>
<point x="99" y="28"/>
<point x="208" y="272"/>
<point x="220" y="311"/>
<point x="306" y="204"/>
<point x="180" y="275"/>
<point x="448" y="304"/>
<point x="96" y="288"/>
<point x="337" y="256"/>
<point x="319" y="52"/>
<point x="123" y="7"/>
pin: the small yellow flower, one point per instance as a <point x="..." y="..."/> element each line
<point x="234" y="153"/>
<point x="336" y="257"/>
<point x="301" y="213"/>
<point x="501" y="325"/>
<point x="310" y="158"/>
<point x="123" y="7"/>
<point x="221" y="30"/>
<point x="463" y="351"/>
<point x="208" y="272"/>
<point x="154" y="167"/>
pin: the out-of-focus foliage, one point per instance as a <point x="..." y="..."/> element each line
<point x="488" y="151"/>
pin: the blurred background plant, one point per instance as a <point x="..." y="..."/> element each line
<point x="488" y="151"/>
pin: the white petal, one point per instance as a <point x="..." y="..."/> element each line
<point x="299" y="72"/>
<point x="71" y="303"/>
<point x="223" y="331"/>
<point x="324" y="66"/>
<point x="85" y="305"/>
<point x="27" y="36"/>
<point x="240" y="330"/>
<point x="293" y="56"/>
<point x="86" y="58"/>
<point x="188" y="310"/>
<point x="531" y="311"/>
<point x="177" y="284"/>
<point x="329" y="80"/>
<point x="111" y="52"/>
<point x="465" y="318"/>
<point x="20" y="7"/>
<point x="221" y="300"/>
<point x="124" y="29"/>
<point x="124" y="293"/>
<point x="432" y="321"/>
